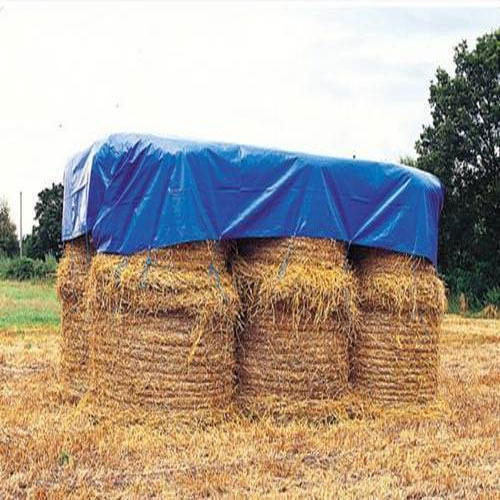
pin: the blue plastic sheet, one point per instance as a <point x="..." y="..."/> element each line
<point x="134" y="192"/>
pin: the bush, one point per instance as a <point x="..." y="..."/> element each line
<point x="51" y="264"/>
<point x="453" y="304"/>
<point x="24" y="268"/>
<point x="45" y="268"/>
<point x="478" y="283"/>
<point x="493" y="296"/>
<point x="4" y="266"/>
<point x="21" y="268"/>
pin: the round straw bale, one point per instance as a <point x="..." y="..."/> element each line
<point x="299" y="304"/>
<point x="163" y="329"/>
<point x="395" y="352"/>
<point x="320" y="253"/>
<point x="277" y="359"/>
<point x="399" y="283"/>
<point x="396" y="359"/>
<point x="72" y="280"/>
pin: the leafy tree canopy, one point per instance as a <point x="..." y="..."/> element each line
<point x="462" y="147"/>
<point x="46" y="236"/>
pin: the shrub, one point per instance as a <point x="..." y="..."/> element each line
<point x="50" y="264"/>
<point x="21" y="268"/>
<point x="4" y="266"/>
<point x="492" y="296"/>
<point x="24" y="268"/>
<point x="478" y="283"/>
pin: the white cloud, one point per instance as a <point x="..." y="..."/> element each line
<point x="310" y="77"/>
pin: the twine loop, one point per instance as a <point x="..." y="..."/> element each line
<point x="212" y="271"/>
<point x="347" y="292"/>
<point x="144" y="275"/>
<point x="286" y="259"/>
<point x="87" y="248"/>
<point x="119" y="269"/>
<point x="414" y="312"/>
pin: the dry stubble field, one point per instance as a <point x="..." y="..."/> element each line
<point x="52" y="448"/>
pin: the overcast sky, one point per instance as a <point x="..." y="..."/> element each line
<point x="324" y="78"/>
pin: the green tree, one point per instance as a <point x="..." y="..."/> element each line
<point x="408" y="160"/>
<point x="462" y="147"/>
<point x="28" y="246"/>
<point x="8" y="238"/>
<point x="46" y="235"/>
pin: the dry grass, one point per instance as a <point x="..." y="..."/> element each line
<point x="51" y="448"/>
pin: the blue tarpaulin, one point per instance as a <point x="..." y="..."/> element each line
<point x="134" y="192"/>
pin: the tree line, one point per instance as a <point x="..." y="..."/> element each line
<point x="461" y="147"/>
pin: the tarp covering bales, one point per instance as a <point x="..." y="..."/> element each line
<point x="134" y="192"/>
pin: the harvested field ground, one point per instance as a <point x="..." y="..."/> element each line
<point x="50" y="448"/>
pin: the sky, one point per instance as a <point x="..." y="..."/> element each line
<point x="337" y="78"/>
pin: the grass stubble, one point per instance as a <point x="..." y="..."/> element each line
<point x="51" y="447"/>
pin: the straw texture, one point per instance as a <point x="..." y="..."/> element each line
<point x="163" y="329"/>
<point x="72" y="280"/>
<point x="299" y="307"/>
<point x="279" y="360"/>
<point x="395" y="354"/>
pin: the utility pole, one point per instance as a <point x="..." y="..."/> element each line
<point x="21" y="224"/>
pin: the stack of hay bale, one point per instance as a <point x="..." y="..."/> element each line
<point x="163" y="329"/>
<point x="72" y="279"/>
<point x="156" y="329"/>
<point x="395" y="355"/>
<point x="298" y="301"/>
